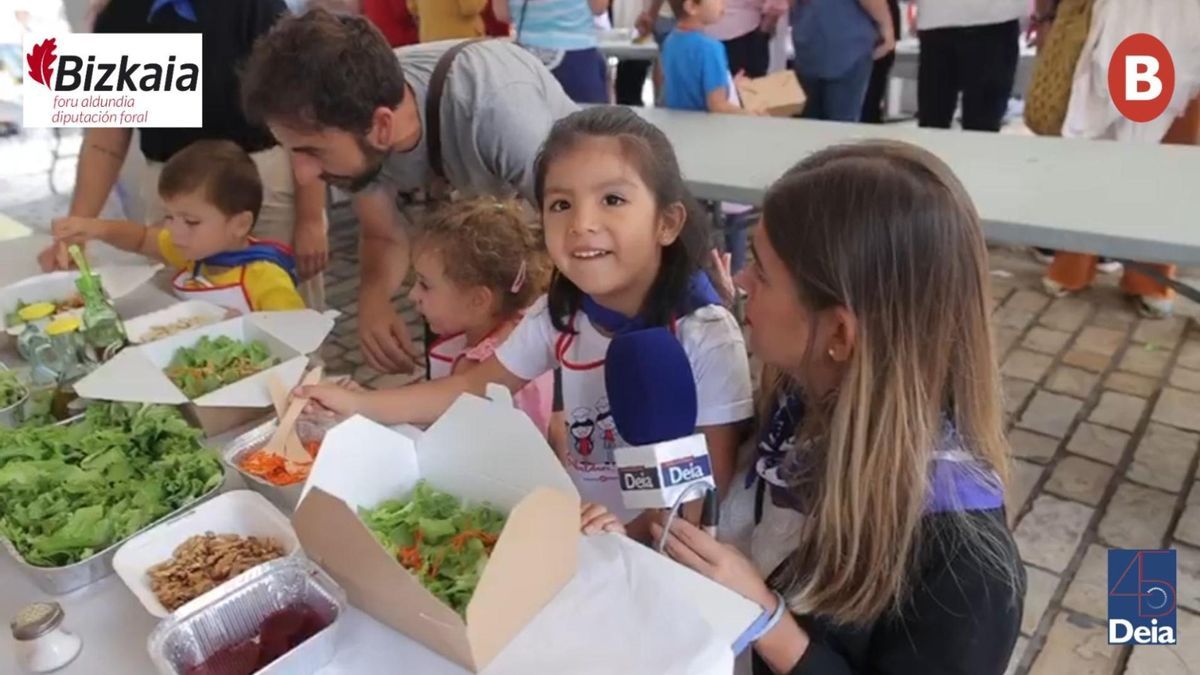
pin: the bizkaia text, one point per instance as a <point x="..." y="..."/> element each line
<point x="77" y="74"/>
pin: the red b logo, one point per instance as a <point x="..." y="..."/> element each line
<point x="1141" y="77"/>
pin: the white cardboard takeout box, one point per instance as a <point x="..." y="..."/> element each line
<point x="480" y="451"/>
<point x="137" y="374"/>
<point x="138" y="329"/>
<point x="241" y="512"/>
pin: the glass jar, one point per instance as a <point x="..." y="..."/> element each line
<point x="60" y="355"/>
<point x="43" y="644"/>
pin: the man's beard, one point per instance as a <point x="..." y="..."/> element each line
<point x="373" y="159"/>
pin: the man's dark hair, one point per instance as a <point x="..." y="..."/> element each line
<point x="320" y="70"/>
<point x="222" y="169"/>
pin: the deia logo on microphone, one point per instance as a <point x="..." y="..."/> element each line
<point x="1141" y="597"/>
<point x="639" y="478"/>
<point x="113" y="80"/>
<point x="685" y="470"/>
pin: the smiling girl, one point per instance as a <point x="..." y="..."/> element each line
<point x="878" y="487"/>
<point x="627" y="243"/>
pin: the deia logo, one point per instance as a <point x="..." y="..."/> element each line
<point x="686" y="470"/>
<point x="1141" y="597"/>
<point x="639" y="478"/>
<point x="76" y="73"/>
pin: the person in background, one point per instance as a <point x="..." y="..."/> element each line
<point x="1090" y="114"/>
<point x="881" y="70"/>
<point x="631" y="73"/>
<point x="968" y="47"/>
<point x="293" y="211"/>
<point x="448" y="19"/>
<point x="393" y="19"/>
<point x="696" y="74"/>
<point x="745" y="28"/>
<point x="212" y="195"/>
<point x="875" y="503"/>
<point x="837" y="42"/>
<point x="478" y="267"/>
<point x="493" y="27"/>
<point x="562" y="33"/>
<point x="350" y="109"/>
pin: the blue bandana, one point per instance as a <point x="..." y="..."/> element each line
<point x="958" y="482"/>
<point x="700" y="293"/>
<point x="182" y="7"/>
<point x="259" y="251"/>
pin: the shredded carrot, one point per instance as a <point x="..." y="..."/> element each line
<point x="313" y="447"/>
<point x="272" y="468"/>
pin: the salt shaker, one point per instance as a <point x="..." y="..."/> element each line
<point x="43" y="644"/>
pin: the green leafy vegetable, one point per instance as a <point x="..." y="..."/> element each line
<point x="68" y="492"/>
<point x="12" y="390"/>
<point x="445" y="544"/>
<point x="213" y="363"/>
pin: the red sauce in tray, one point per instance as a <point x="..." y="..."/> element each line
<point x="278" y="634"/>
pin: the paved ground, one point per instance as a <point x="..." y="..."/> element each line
<point x="1104" y="418"/>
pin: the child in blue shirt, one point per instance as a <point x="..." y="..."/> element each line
<point x="695" y="66"/>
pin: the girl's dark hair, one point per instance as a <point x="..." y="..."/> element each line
<point x="648" y="150"/>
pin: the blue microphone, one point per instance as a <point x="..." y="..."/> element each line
<point x="652" y="395"/>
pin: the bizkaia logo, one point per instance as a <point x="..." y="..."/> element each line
<point x="113" y="80"/>
<point x="1141" y="77"/>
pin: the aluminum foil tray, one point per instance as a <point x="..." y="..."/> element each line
<point x="233" y="612"/>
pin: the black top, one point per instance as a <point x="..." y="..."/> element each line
<point x="229" y="28"/>
<point x="961" y="618"/>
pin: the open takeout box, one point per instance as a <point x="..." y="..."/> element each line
<point x="479" y="451"/>
<point x="779" y="94"/>
<point x="118" y="281"/>
<point x="137" y="374"/>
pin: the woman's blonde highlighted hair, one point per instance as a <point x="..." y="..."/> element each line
<point x="887" y="231"/>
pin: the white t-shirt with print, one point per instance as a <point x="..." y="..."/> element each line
<point x="714" y="346"/>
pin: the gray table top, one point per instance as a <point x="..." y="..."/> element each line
<point x="1131" y="201"/>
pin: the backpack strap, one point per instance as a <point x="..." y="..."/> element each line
<point x="433" y="106"/>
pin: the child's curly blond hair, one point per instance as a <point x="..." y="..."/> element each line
<point x="489" y="242"/>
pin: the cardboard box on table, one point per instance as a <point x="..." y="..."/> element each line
<point x="779" y="94"/>
<point x="137" y="374"/>
<point x="480" y="451"/>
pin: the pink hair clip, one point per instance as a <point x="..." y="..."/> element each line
<point x="519" y="282"/>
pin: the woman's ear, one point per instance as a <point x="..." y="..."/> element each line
<point x="844" y="337"/>
<point x="671" y="223"/>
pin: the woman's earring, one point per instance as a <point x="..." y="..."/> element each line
<point x="831" y="354"/>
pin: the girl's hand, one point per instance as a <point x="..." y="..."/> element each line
<point x="722" y="563"/>
<point x="342" y="398"/>
<point x="594" y="519"/>
<point x="722" y="266"/>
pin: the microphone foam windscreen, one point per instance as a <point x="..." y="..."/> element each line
<point x="651" y="388"/>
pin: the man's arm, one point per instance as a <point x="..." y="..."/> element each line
<point x="310" y="234"/>
<point x="598" y="7"/>
<point x="100" y="159"/>
<point x="384" y="261"/>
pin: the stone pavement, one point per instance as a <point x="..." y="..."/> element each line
<point x="1104" y="420"/>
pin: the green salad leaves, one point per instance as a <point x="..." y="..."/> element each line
<point x="213" y="363"/>
<point x="445" y="544"/>
<point x="12" y="390"/>
<point x="68" y="492"/>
